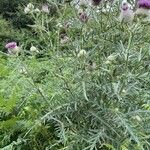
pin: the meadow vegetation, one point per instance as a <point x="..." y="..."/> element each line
<point x="74" y="85"/>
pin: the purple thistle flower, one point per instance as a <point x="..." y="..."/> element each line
<point x="12" y="48"/>
<point x="96" y="2"/>
<point x="11" y="45"/>
<point x="144" y="4"/>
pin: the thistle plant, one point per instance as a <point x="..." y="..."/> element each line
<point x="89" y="93"/>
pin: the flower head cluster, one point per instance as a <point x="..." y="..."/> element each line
<point x="33" y="49"/>
<point x="82" y="53"/>
<point x="29" y="8"/>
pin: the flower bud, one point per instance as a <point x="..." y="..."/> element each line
<point x="12" y="48"/>
<point x="138" y="118"/>
<point x="107" y="62"/>
<point x="34" y="49"/>
<point x="30" y="6"/>
<point x="26" y="10"/>
<point x="45" y="8"/>
<point x="82" y="53"/>
<point x="126" y="14"/>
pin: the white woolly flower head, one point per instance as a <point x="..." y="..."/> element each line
<point x="45" y="8"/>
<point x="34" y="49"/>
<point x="127" y="14"/>
<point x="26" y="10"/>
<point x="29" y="8"/>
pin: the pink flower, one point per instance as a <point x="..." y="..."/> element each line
<point x="11" y="45"/>
<point x="144" y="4"/>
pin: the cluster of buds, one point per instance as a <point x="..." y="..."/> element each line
<point x="137" y="118"/>
<point x="12" y="48"/>
<point x="31" y="9"/>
